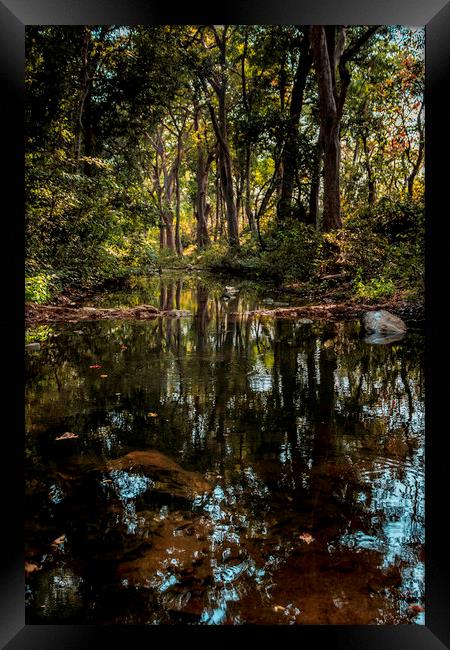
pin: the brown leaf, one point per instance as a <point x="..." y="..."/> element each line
<point x="67" y="436"/>
<point x="103" y="376"/>
<point x="278" y="608"/>
<point x="416" y="608"/>
<point x="59" y="540"/>
<point x="306" y="537"/>
<point x="152" y="415"/>
<point x="30" y="567"/>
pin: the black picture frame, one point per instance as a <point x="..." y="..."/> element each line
<point x="435" y="15"/>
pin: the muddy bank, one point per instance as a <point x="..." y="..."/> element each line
<point x="63" y="314"/>
<point x="343" y="310"/>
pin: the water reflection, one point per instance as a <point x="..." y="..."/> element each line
<point x="227" y="469"/>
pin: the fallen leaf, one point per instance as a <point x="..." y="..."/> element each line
<point x="103" y="376"/>
<point x="306" y="537"/>
<point x="416" y="609"/>
<point x="59" y="540"/>
<point x="278" y="608"/>
<point x="152" y="415"/>
<point x="67" y="436"/>
<point x="30" y="567"/>
<point x="96" y="365"/>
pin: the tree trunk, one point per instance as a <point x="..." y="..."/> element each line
<point x="418" y="163"/>
<point x="331" y="180"/>
<point x="370" y="178"/>
<point x="162" y="234"/>
<point x="178" y="244"/>
<point x="220" y="128"/>
<point x="84" y="91"/>
<point x="313" y="210"/>
<point x="226" y="171"/>
<point x="289" y="158"/>
<point x="248" y="208"/>
<point x="329" y="55"/>
<point x="170" y="238"/>
<point x="329" y="127"/>
<point x="203" y="165"/>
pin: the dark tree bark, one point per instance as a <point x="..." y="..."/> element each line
<point x="84" y="91"/>
<point x="204" y="161"/>
<point x="329" y="56"/>
<point x="418" y="162"/>
<point x="219" y="122"/>
<point x="289" y="157"/>
<point x="178" y="244"/>
<point x="370" y="178"/>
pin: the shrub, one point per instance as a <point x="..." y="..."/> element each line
<point x="375" y="288"/>
<point x="294" y="252"/>
<point x="41" y="288"/>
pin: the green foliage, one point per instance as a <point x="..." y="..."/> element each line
<point x="213" y="256"/>
<point x="375" y="288"/>
<point x="38" y="334"/>
<point x="293" y="251"/>
<point x="41" y="288"/>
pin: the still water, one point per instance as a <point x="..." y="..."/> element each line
<point x="222" y="469"/>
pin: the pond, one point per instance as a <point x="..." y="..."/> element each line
<point x="221" y="468"/>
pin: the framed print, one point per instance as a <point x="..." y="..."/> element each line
<point x="234" y="345"/>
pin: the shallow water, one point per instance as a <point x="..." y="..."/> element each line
<point x="225" y="469"/>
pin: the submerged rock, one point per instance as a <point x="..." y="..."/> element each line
<point x="383" y="323"/>
<point x="169" y="475"/>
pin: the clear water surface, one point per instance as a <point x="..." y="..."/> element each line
<point x="226" y="469"/>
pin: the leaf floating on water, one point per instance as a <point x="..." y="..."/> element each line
<point x="30" y="567"/>
<point x="59" y="540"/>
<point x="67" y="436"/>
<point x="278" y="608"/>
<point x="306" y="537"/>
<point x="95" y="365"/>
<point x="152" y="415"/>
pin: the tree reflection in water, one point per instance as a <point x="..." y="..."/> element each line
<point x="279" y="477"/>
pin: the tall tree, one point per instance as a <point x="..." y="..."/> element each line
<point x="290" y="153"/>
<point x="330" y="58"/>
<point x="219" y="82"/>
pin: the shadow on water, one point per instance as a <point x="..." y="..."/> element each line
<point x="224" y="469"/>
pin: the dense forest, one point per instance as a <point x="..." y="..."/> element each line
<point x="288" y="154"/>
<point x="224" y="410"/>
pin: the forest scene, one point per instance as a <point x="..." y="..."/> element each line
<point x="224" y="324"/>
